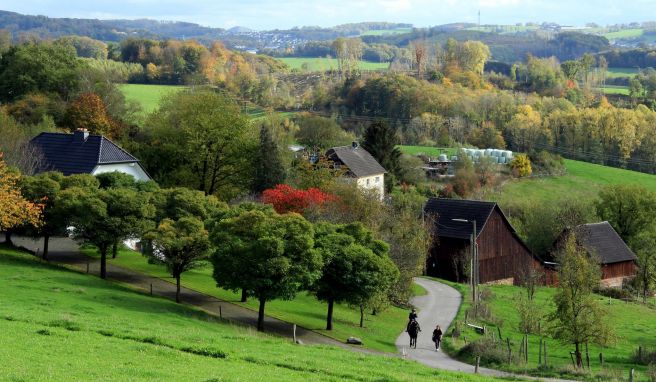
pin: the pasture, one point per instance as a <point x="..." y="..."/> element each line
<point x="383" y="32"/>
<point x="624" y="33"/>
<point x="322" y="64"/>
<point x="633" y="325"/>
<point x="621" y="72"/>
<point x="611" y="89"/>
<point x="147" y="96"/>
<point x="60" y="325"/>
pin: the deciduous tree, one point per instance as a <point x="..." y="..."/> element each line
<point x="269" y="256"/>
<point x="15" y="209"/>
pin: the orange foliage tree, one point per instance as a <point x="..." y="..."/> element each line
<point x="89" y="112"/>
<point x="285" y="198"/>
<point x="14" y="209"/>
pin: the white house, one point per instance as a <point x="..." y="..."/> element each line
<point x="361" y="166"/>
<point x="81" y="153"/>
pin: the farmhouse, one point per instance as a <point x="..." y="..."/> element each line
<point x="81" y="153"/>
<point x="359" y="165"/>
<point x="502" y="255"/>
<point x="617" y="260"/>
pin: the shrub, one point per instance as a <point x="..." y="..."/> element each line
<point x="547" y="163"/>
<point x="490" y="353"/>
<point x="521" y="166"/>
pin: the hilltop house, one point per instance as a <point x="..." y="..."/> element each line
<point x="81" y="153"/>
<point x="617" y="260"/>
<point x="359" y="165"/>
<point x="502" y="255"/>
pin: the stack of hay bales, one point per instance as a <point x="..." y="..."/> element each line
<point x="498" y="156"/>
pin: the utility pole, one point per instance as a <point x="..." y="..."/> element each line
<point x="473" y="262"/>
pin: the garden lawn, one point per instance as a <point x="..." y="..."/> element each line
<point x="60" y="325"/>
<point x="633" y="325"/>
<point x="322" y="64"/>
<point x="583" y="181"/>
<point x="379" y="333"/>
<point x="148" y="96"/>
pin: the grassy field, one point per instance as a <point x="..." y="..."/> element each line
<point x="379" y="333"/>
<point x="382" y="32"/>
<point x="426" y="150"/>
<point x="59" y="325"/>
<point x="633" y="325"/>
<point x="583" y="181"/>
<point x="610" y="89"/>
<point x="148" y="96"/>
<point x="624" y="33"/>
<point x="621" y="72"/>
<point x="319" y="64"/>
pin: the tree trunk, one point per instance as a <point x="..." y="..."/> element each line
<point x="177" y="288"/>
<point x="260" y="316"/>
<point x="8" y="238"/>
<point x="361" y="316"/>
<point x="244" y="296"/>
<point x="579" y="357"/>
<point x="114" y="249"/>
<point x="103" y="261"/>
<point x="46" y="241"/>
<point x="329" y="318"/>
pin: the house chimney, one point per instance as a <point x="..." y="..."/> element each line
<point x="80" y="135"/>
<point x="354" y="145"/>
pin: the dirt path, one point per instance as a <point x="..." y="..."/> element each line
<point x="65" y="251"/>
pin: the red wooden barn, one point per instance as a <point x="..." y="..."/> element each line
<point x="617" y="260"/>
<point x="502" y="255"/>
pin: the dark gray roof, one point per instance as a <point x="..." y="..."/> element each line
<point x="449" y="209"/>
<point x="602" y="240"/>
<point x="357" y="159"/>
<point x="72" y="154"/>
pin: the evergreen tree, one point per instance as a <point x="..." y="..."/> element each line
<point x="380" y="141"/>
<point x="269" y="168"/>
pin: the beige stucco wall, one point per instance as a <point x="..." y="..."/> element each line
<point x="127" y="168"/>
<point x="374" y="182"/>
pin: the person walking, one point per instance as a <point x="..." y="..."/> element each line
<point x="437" y="337"/>
<point x="413" y="330"/>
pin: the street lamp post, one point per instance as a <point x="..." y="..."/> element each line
<point x="473" y="267"/>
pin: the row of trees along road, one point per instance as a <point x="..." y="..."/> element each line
<point x="253" y="248"/>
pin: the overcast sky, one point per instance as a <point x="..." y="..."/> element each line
<point x="271" y="14"/>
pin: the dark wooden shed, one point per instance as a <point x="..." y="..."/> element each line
<point x="502" y="255"/>
<point x="617" y="260"/>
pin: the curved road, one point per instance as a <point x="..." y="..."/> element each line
<point x="439" y="307"/>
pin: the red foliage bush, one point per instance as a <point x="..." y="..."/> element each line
<point x="285" y="198"/>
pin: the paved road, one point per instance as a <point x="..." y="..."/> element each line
<point x="439" y="307"/>
<point x="65" y="251"/>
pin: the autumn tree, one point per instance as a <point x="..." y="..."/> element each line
<point x="89" y="112"/>
<point x="15" y="209"/>
<point x="181" y="245"/>
<point x="420" y="50"/>
<point x="579" y="318"/>
<point x="628" y="208"/>
<point x="285" y="198"/>
<point x="644" y="244"/>
<point x="270" y="256"/>
<point x="521" y="165"/>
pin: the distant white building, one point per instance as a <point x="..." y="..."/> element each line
<point x="81" y="153"/>
<point x="359" y="165"/>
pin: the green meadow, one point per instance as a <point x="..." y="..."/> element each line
<point x="322" y="64"/>
<point x="383" y="32"/>
<point x="60" y="325"/>
<point x="148" y="96"/>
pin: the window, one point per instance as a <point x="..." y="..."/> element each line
<point x="367" y="182"/>
<point x="378" y="179"/>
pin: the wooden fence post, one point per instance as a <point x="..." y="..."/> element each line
<point x="220" y="312"/>
<point x="151" y="289"/>
<point x="509" y="350"/>
<point x="526" y="348"/>
<point x="587" y="355"/>
<point x="294" y="333"/>
<point x="631" y="375"/>
<point x="601" y="359"/>
<point x="478" y="362"/>
<point x="545" y="354"/>
<point x="540" y="352"/>
<point x="87" y="266"/>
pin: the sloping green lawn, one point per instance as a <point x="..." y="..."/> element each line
<point x="379" y="333"/>
<point x="148" y="96"/>
<point x="633" y="325"/>
<point x="59" y="325"/>
<point x="322" y="64"/>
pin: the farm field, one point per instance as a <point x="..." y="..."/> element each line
<point x="148" y="96"/>
<point x="624" y="33"/>
<point x="621" y="72"/>
<point x="318" y="64"/>
<point x="379" y="333"/>
<point x="69" y="326"/>
<point x="382" y="32"/>
<point x="633" y="325"/>
<point x="583" y="181"/>
<point x="610" y="89"/>
<point x="426" y="150"/>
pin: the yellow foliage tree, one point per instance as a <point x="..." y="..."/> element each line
<point x="521" y="165"/>
<point x="14" y="209"/>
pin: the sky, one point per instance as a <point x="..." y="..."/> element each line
<point x="283" y="14"/>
